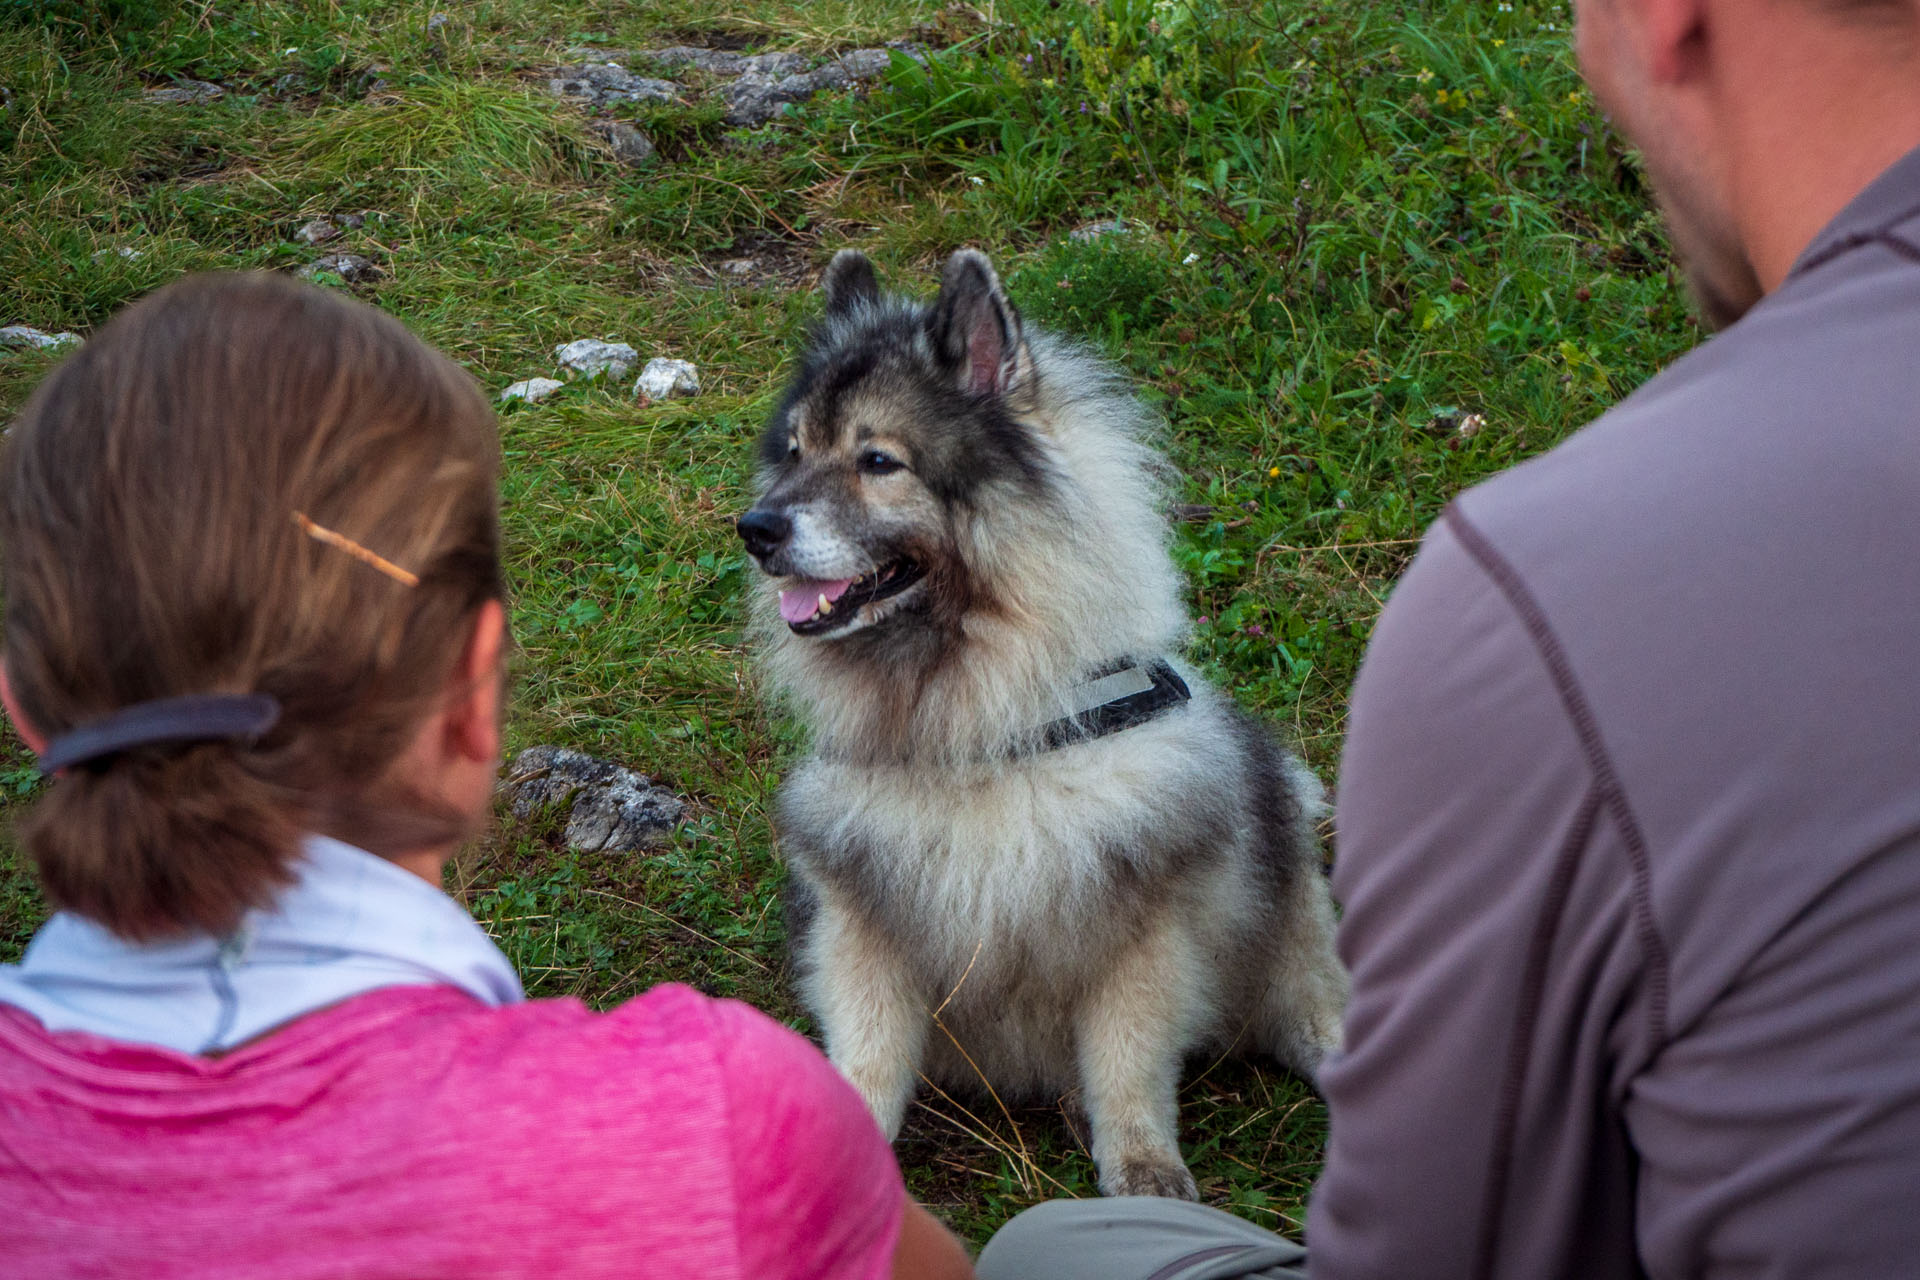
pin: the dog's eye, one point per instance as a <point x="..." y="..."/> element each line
<point x="876" y="463"/>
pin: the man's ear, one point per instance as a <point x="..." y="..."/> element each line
<point x="35" y="740"/>
<point x="477" y="688"/>
<point x="975" y="329"/>
<point x="849" y="282"/>
<point x="1673" y="37"/>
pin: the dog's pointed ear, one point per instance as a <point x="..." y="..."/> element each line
<point x="975" y="329"/>
<point x="849" y="282"/>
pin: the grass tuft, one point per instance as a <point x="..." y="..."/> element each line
<point x="437" y="133"/>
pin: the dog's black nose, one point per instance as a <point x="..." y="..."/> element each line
<point x="764" y="531"/>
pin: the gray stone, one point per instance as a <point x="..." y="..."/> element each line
<point x="533" y="390"/>
<point x="600" y="83"/>
<point x="631" y="147"/>
<point x="353" y="221"/>
<point x="591" y="357"/>
<point x="19" y="337"/>
<point x="753" y="100"/>
<point x="435" y="22"/>
<point x="350" y="267"/>
<point x="318" y="231"/>
<point x="718" y="62"/>
<point x="615" y="810"/>
<point x="758" y="96"/>
<point x="187" y="93"/>
<point x="738" y="266"/>
<point x="773" y="64"/>
<point x="1093" y="231"/>
<point x="854" y="67"/>
<point x="667" y="380"/>
<point x="763" y="83"/>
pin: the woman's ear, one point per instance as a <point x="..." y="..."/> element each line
<point x="483" y="668"/>
<point x="35" y="740"/>
<point x="477" y="688"/>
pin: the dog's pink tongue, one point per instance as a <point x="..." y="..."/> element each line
<point x="801" y="600"/>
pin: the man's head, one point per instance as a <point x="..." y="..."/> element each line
<point x="1758" y="120"/>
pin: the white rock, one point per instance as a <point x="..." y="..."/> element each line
<point x="738" y="266"/>
<point x="19" y="337"/>
<point x="533" y="390"/>
<point x="630" y="146"/>
<point x="350" y="267"/>
<point x="320" y="229"/>
<point x="591" y="357"/>
<point x="131" y="255"/>
<point x="614" y="810"/>
<point x="665" y="379"/>
<point x="1093" y="231"/>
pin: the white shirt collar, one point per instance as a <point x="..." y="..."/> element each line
<point x="351" y="923"/>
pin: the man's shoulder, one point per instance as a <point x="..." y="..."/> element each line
<point x="1724" y="565"/>
<point x="1789" y="411"/>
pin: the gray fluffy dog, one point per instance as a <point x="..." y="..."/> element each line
<point x="1019" y="809"/>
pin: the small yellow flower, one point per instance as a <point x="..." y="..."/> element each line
<point x="1273" y="473"/>
<point x="1574" y="96"/>
<point x="1049" y="82"/>
<point x="1425" y="76"/>
<point x="1499" y="44"/>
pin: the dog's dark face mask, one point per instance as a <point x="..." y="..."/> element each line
<point x="900" y="423"/>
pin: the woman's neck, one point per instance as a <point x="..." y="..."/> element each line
<point x="428" y="864"/>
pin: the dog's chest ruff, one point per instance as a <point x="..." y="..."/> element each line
<point x="1017" y="840"/>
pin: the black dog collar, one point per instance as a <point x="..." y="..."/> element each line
<point x="1115" y="697"/>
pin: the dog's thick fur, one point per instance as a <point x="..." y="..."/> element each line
<point x="963" y="903"/>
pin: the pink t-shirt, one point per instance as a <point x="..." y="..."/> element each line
<point x="414" y="1133"/>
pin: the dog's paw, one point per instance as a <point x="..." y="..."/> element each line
<point x="1152" y="1174"/>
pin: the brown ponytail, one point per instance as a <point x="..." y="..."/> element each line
<point x="150" y="549"/>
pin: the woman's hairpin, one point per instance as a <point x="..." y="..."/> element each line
<point x="341" y="542"/>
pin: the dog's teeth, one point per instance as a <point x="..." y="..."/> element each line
<point x="826" y="605"/>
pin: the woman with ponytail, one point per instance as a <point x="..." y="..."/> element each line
<point x="254" y="629"/>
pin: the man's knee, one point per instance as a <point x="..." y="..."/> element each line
<point x="1124" y="1237"/>
<point x="1042" y="1242"/>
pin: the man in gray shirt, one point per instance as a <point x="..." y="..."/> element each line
<point x="1630" y="810"/>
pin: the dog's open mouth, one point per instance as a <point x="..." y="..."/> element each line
<point x="814" y="607"/>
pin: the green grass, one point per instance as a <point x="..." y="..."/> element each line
<point x="1353" y="223"/>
